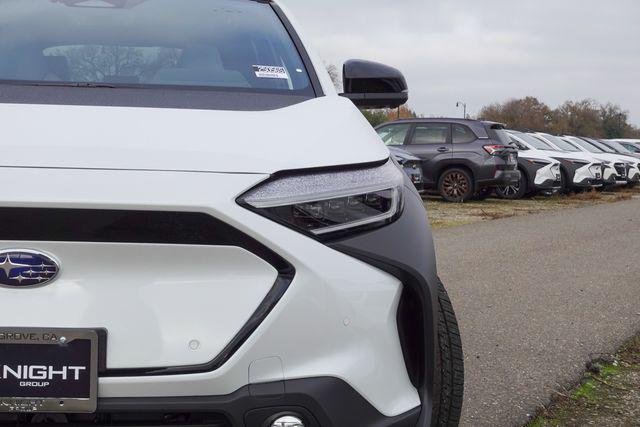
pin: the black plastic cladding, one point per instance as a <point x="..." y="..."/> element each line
<point x="386" y="249"/>
<point x="322" y="402"/>
<point x="302" y="51"/>
<point x="187" y="228"/>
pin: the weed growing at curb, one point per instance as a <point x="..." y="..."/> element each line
<point x="609" y="394"/>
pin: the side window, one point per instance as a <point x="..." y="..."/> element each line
<point x="463" y="135"/>
<point x="632" y="148"/>
<point x="394" y="134"/>
<point x="431" y="133"/>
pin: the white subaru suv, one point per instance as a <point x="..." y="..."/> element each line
<point x="185" y="240"/>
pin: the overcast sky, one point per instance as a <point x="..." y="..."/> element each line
<point x="486" y="51"/>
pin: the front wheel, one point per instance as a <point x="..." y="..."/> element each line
<point x="513" y="191"/>
<point x="565" y="184"/>
<point x="449" y="367"/>
<point x="455" y="185"/>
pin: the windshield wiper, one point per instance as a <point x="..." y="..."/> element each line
<point x="78" y="84"/>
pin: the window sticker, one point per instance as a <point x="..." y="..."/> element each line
<point x="270" y="72"/>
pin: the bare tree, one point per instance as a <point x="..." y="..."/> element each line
<point x="578" y="118"/>
<point x="527" y="113"/>
<point x="100" y="63"/>
<point x="614" y="121"/>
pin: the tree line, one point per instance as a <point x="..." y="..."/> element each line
<point x="582" y="118"/>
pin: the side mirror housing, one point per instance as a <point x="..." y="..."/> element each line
<point x="373" y="85"/>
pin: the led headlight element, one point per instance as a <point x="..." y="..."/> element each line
<point x="327" y="202"/>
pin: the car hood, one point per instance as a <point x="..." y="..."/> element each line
<point x="573" y="155"/>
<point x="321" y="132"/>
<point x="617" y="158"/>
<point x="403" y="155"/>
<point x="536" y="155"/>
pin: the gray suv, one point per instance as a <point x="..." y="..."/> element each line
<point x="461" y="159"/>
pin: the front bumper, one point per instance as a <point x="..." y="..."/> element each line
<point x="502" y="178"/>
<point x="549" y="185"/>
<point x="337" y="318"/>
<point x="415" y="176"/>
<point x="548" y="177"/>
<point x="318" y="402"/>
<point x="633" y="174"/>
<point x="587" y="176"/>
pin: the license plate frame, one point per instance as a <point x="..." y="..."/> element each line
<point x="31" y="393"/>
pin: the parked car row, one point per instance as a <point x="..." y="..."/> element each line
<point x="462" y="159"/>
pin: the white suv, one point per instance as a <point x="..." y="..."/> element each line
<point x="577" y="170"/>
<point x="185" y="241"/>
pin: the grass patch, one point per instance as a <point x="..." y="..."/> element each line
<point x="538" y="422"/>
<point x="610" y="370"/>
<point x="609" y="394"/>
<point x="585" y="391"/>
<point x="443" y="214"/>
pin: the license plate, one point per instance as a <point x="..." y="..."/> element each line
<point x="48" y="370"/>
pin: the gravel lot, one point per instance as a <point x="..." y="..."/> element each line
<point x="537" y="297"/>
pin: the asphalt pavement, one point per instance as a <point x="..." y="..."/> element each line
<point x="536" y="298"/>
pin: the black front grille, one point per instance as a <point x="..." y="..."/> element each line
<point x="118" y="420"/>
<point x="621" y="169"/>
<point x="114" y="226"/>
<point x="79" y="225"/>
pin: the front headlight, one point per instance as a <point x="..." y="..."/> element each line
<point x="538" y="162"/>
<point x="596" y="168"/>
<point x="577" y="163"/>
<point x="321" y="203"/>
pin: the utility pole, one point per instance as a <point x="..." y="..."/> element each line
<point x="464" y="105"/>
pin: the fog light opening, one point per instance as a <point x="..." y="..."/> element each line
<point x="285" y="420"/>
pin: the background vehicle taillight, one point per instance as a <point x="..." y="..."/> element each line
<point x="496" y="150"/>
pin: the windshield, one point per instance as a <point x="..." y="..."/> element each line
<point x="584" y="144"/>
<point x="618" y="147"/>
<point x="500" y="135"/>
<point x="561" y="144"/>
<point x="601" y="146"/>
<point x="234" y="45"/>
<point x="632" y="148"/>
<point x="534" y="142"/>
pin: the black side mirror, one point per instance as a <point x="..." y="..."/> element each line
<point x="372" y="85"/>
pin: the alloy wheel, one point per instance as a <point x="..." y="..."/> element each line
<point x="456" y="185"/>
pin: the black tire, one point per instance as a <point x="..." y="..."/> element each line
<point x="456" y="185"/>
<point x="565" y="187"/>
<point x="449" y="366"/>
<point x="514" y="192"/>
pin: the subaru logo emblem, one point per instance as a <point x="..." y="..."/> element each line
<point x="22" y="268"/>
